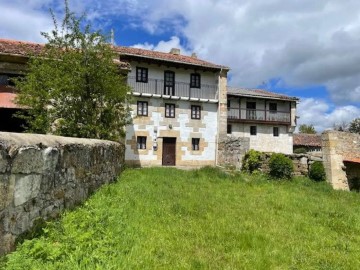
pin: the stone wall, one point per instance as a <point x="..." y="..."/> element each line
<point x="41" y="175"/>
<point x="341" y="154"/>
<point x="231" y="151"/>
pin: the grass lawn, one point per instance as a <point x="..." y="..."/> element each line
<point x="164" y="218"/>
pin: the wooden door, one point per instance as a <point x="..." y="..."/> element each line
<point x="169" y="152"/>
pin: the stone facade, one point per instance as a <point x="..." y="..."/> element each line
<point x="41" y="175"/>
<point x="232" y="151"/>
<point x="341" y="155"/>
<point x="155" y="126"/>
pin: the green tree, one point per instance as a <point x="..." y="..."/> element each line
<point x="354" y="126"/>
<point x="308" y="129"/>
<point x="74" y="88"/>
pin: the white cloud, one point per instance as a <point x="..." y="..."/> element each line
<point x="319" y="114"/>
<point x="164" y="46"/>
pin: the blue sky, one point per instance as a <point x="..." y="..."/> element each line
<point x="308" y="49"/>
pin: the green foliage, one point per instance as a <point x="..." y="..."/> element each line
<point x="73" y="88"/>
<point x="308" y="129"/>
<point x="317" y="171"/>
<point x="300" y="150"/>
<point x="354" y="126"/>
<point x="251" y="161"/>
<point x="280" y="166"/>
<point x="195" y="219"/>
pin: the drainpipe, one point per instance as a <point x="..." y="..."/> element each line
<point x="217" y="136"/>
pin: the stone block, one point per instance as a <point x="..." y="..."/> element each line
<point x="26" y="187"/>
<point x="28" y="160"/>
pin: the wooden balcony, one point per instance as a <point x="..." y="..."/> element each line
<point x="258" y="116"/>
<point x="157" y="88"/>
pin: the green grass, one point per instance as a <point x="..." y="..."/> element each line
<point x="164" y="218"/>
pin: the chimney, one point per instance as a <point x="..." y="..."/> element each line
<point x="193" y="55"/>
<point x="175" y="51"/>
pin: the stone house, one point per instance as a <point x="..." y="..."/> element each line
<point x="182" y="108"/>
<point x="266" y="120"/>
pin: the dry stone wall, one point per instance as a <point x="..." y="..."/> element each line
<point x="231" y="151"/>
<point x="337" y="148"/>
<point x="41" y="175"/>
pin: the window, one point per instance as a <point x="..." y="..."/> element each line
<point x="141" y="74"/>
<point x="276" y="131"/>
<point x="195" y="80"/>
<point x="195" y="144"/>
<point x="253" y="130"/>
<point x="251" y="110"/>
<point x="170" y="110"/>
<point x="272" y="107"/>
<point x="142" y="108"/>
<point x="195" y="112"/>
<point x="141" y="142"/>
<point x="228" y="103"/>
<point x="169" y="83"/>
<point x="229" y="129"/>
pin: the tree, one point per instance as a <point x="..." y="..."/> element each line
<point x="354" y="126"/>
<point x="74" y="88"/>
<point x="308" y="129"/>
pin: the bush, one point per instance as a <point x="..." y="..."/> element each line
<point x="251" y="161"/>
<point x="317" y="171"/>
<point x="300" y="150"/>
<point x="280" y="166"/>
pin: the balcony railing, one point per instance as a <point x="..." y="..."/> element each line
<point x="257" y="115"/>
<point x="179" y="89"/>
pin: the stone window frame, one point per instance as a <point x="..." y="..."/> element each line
<point x="195" y="112"/>
<point x="142" y="74"/>
<point x="276" y="131"/>
<point x="253" y="130"/>
<point x="170" y="110"/>
<point x="195" y="144"/>
<point x="195" y="80"/>
<point x="141" y="142"/>
<point x="142" y="108"/>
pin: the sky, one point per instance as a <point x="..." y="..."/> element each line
<point x="304" y="48"/>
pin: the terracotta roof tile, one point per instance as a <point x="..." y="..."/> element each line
<point x="303" y="139"/>
<point x="258" y="93"/>
<point x="25" y="48"/>
<point x="7" y="100"/>
<point x="354" y="160"/>
<point x="168" y="57"/>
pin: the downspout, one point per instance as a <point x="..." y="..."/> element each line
<point x="218" y="121"/>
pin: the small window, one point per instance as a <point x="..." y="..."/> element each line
<point x="273" y="107"/>
<point x="229" y="129"/>
<point x="170" y="110"/>
<point x="253" y="130"/>
<point x="141" y="142"/>
<point x="195" y="112"/>
<point x="195" y="144"/>
<point x="195" y="80"/>
<point x="142" y="108"/>
<point x="276" y="131"/>
<point x="141" y="74"/>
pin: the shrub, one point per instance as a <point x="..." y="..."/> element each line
<point x="251" y="161"/>
<point x="280" y="166"/>
<point x="300" y="150"/>
<point x="317" y="171"/>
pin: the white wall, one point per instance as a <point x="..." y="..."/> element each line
<point x="264" y="140"/>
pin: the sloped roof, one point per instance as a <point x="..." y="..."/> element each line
<point x="26" y="48"/>
<point x="303" y="139"/>
<point x="7" y="96"/>
<point x="168" y="57"/>
<point x="258" y="93"/>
